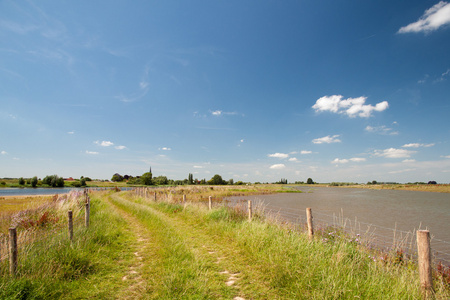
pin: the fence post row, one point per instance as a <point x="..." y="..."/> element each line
<point x="12" y="251"/>
<point x="249" y="210"/>
<point x="424" y="260"/>
<point x="310" y="223"/>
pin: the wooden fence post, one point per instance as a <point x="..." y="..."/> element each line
<point x="424" y="258"/>
<point x="310" y="223"/>
<point x="210" y="202"/>
<point x="86" y="215"/>
<point x="12" y="251"/>
<point x="155" y="196"/>
<point x="69" y="214"/>
<point x="249" y="210"/>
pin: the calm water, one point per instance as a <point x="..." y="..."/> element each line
<point x="36" y="191"/>
<point x="401" y="210"/>
<point x="43" y="191"/>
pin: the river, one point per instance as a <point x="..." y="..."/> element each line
<point x="381" y="213"/>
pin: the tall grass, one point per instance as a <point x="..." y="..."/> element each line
<point x="52" y="267"/>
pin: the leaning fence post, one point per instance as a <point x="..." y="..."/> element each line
<point x="310" y="223"/>
<point x="249" y="210"/>
<point x="69" y="214"/>
<point x="155" y="196"/>
<point x="424" y="258"/>
<point x="12" y="251"/>
<point x="86" y="215"/>
<point x="210" y="202"/>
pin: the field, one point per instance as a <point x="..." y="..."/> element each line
<point x="138" y="248"/>
<point x="437" y="188"/>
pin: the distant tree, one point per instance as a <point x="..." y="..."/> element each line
<point x="239" y="183"/>
<point x="83" y="182"/>
<point x="374" y="182"/>
<point x="309" y="181"/>
<point x="231" y="181"/>
<point x="217" y="180"/>
<point x="432" y="182"/>
<point x="21" y="181"/>
<point x="34" y="181"/>
<point x="117" y="178"/>
<point x="190" y="178"/>
<point x="160" y="180"/>
<point x="146" y="178"/>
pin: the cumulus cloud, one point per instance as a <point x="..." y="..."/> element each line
<point x="394" y="153"/>
<point x="198" y="167"/>
<point x="279" y="155"/>
<point x="417" y="145"/>
<point x="165" y="149"/>
<point x="277" y="166"/>
<point x="104" y="143"/>
<point x="293" y="159"/>
<point x="433" y="18"/>
<point x="91" y="152"/>
<point x="327" y="139"/>
<point x="4" y="152"/>
<point x="228" y="113"/>
<point x="352" y="107"/>
<point x="71" y="132"/>
<point x="303" y="152"/>
<point x="383" y="130"/>
<point x="216" y="113"/>
<point x="120" y="147"/>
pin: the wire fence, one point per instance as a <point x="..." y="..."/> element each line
<point x="35" y="231"/>
<point x="381" y="238"/>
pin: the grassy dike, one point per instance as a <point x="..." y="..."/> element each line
<point x="139" y="249"/>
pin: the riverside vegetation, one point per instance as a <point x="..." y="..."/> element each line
<point x="136" y="248"/>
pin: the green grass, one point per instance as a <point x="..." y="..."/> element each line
<point x="139" y="249"/>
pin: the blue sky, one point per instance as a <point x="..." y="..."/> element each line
<point x="251" y="90"/>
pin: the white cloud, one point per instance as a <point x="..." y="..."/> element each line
<point x="327" y="139"/>
<point x="417" y="145"/>
<point x="279" y="155"/>
<point x="198" y="167"/>
<point x="277" y="166"/>
<point x="340" y="161"/>
<point x="408" y="160"/>
<point x="303" y="152"/>
<point x="293" y="159"/>
<point x="165" y="149"/>
<point x="352" y="107"/>
<point x="143" y="84"/>
<point x="358" y="159"/>
<point x="446" y="156"/>
<point x="344" y="161"/>
<point x="120" y="147"/>
<point x="229" y="113"/>
<point x="71" y="132"/>
<point x="91" y="152"/>
<point x="4" y="152"/>
<point x="433" y="18"/>
<point x="104" y="143"/>
<point x="394" y="153"/>
<point x="381" y="130"/>
<point x="401" y="171"/>
<point x="242" y="140"/>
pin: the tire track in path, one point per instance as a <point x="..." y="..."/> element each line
<point x="144" y="253"/>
